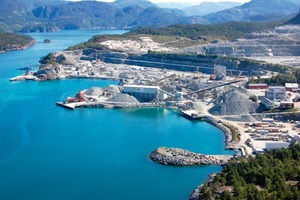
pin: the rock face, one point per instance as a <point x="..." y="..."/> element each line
<point x="142" y="45"/>
<point x="180" y="157"/>
<point x="50" y="72"/>
<point x="283" y="41"/>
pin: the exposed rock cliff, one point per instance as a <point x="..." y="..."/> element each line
<point x="283" y="41"/>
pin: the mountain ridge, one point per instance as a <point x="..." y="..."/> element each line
<point x="256" y="10"/>
<point x="209" y="7"/>
<point x="295" y="20"/>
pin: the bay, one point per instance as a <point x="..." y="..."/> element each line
<point x="47" y="152"/>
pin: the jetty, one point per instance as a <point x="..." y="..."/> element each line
<point x="106" y="104"/>
<point x="181" y="157"/>
<point x="192" y="114"/>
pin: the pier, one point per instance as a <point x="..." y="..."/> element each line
<point x="106" y="104"/>
<point x="192" y="114"/>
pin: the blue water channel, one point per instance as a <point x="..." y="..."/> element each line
<point x="51" y="153"/>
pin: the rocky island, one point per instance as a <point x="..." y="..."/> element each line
<point x="181" y="157"/>
<point x="13" y="42"/>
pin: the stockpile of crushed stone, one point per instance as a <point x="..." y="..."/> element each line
<point x="130" y="75"/>
<point x="125" y="98"/>
<point x="94" y="91"/>
<point x="236" y="102"/>
<point x="243" y="118"/>
<point x="112" y="88"/>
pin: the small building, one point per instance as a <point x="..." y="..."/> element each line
<point x="269" y="120"/>
<point x="275" y="92"/>
<point x="260" y="146"/>
<point x="276" y="145"/>
<point x="257" y="86"/>
<point x="292" y="87"/>
<point x="286" y="104"/>
<point x="269" y="104"/>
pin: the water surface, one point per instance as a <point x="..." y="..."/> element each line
<point x="47" y="152"/>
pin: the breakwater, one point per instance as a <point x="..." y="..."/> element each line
<point x="181" y="157"/>
<point x="226" y="131"/>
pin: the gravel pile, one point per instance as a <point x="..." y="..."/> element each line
<point x="236" y="102"/>
<point x="112" y="88"/>
<point x="124" y="98"/>
<point x="243" y="118"/>
<point x="196" y="84"/>
<point x="130" y="75"/>
<point x="94" y="91"/>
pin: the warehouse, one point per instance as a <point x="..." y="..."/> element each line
<point x="257" y="86"/>
<point x="144" y="93"/>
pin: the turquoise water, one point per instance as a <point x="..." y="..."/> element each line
<point x="47" y="152"/>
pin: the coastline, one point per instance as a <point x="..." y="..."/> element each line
<point x="18" y="47"/>
<point x="208" y="119"/>
<point x="182" y="157"/>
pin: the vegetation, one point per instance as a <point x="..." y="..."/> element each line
<point x="234" y="132"/>
<point x="253" y="98"/>
<point x="280" y="79"/>
<point x="274" y="175"/>
<point x="232" y="30"/>
<point x="10" y="41"/>
<point x="185" y="35"/>
<point x="48" y="59"/>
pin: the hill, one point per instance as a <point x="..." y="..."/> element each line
<point x="10" y="42"/>
<point x="209" y="7"/>
<point x="256" y="10"/>
<point x="229" y="31"/>
<point x="127" y="3"/>
<point x="274" y="175"/>
<point x="53" y="15"/>
<point x="295" y="20"/>
<point x="15" y="14"/>
<point x="93" y="14"/>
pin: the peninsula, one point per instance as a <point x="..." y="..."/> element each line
<point x="13" y="42"/>
<point x="180" y="157"/>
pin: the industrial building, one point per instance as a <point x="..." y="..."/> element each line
<point x="292" y="87"/>
<point x="257" y="86"/>
<point x="286" y="104"/>
<point x="276" y="92"/>
<point x="146" y="93"/>
<point x="269" y="104"/>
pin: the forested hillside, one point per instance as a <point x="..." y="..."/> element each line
<point x="10" y="41"/>
<point x="274" y="175"/>
<point x="232" y="30"/>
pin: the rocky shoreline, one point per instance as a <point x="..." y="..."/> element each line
<point x="226" y="131"/>
<point x="16" y="47"/>
<point x="181" y="157"/>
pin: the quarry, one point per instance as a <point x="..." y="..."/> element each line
<point x="214" y="89"/>
<point x="278" y="46"/>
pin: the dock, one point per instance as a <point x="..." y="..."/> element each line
<point x="106" y="104"/>
<point x="68" y="106"/>
<point x="192" y="114"/>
